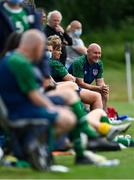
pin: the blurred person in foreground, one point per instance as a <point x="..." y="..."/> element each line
<point x="27" y="108"/>
<point x="15" y="17"/>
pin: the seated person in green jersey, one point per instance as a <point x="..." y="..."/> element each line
<point x="26" y="106"/>
<point x="59" y="73"/>
<point x="88" y="68"/>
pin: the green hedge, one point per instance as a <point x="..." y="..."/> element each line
<point x="112" y="42"/>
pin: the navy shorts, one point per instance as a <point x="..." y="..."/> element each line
<point x="58" y="100"/>
<point x="32" y="115"/>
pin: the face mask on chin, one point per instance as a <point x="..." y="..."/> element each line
<point x="78" y="32"/>
<point x="96" y="61"/>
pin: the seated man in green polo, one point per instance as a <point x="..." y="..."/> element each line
<point x="60" y="74"/>
<point x="88" y="68"/>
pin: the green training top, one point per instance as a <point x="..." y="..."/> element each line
<point x="89" y="72"/>
<point x="23" y="71"/>
<point x="58" y="70"/>
<point x="19" y="18"/>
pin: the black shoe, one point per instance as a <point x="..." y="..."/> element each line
<point x="102" y="144"/>
<point x="83" y="160"/>
<point x="38" y="157"/>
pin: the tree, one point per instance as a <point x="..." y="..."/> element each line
<point x="92" y="13"/>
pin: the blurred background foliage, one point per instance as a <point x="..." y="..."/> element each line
<point x="93" y="14"/>
<point x="108" y="22"/>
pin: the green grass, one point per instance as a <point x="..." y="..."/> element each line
<point x="123" y="171"/>
<point x="115" y="77"/>
<point x="113" y="42"/>
<point x="123" y="108"/>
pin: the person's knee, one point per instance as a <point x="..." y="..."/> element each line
<point x="74" y="86"/>
<point x="97" y="96"/>
<point x="69" y="95"/>
<point x="94" y="96"/>
<point x="100" y="112"/>
<point x="66" y="121"/>
<point x="96" y="99"/>
<point x="68" y="85"/>
<point x="95" y="116"/>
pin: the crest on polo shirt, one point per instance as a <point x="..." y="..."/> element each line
<point x="95" y="72"/>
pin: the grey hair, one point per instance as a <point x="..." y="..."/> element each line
<point x="53" y="12"/>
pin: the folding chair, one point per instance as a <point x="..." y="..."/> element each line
<point x="37" y="152"/>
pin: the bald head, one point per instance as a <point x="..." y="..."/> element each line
<point x="32" y="37"/>
<point x="93" y="53"/>
<point x="33" y="43"/>
<point x="75" y="24"/>
<point x="94" y="45"/>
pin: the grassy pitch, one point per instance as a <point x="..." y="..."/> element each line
<point x="125" y="170"/>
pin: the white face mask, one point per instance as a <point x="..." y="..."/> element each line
<point x="49" y="54"/>
<point x="78" y="32"/>
<point x="96" y="61"/>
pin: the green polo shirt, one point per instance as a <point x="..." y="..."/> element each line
<point x="89" y="72"/>
<point x="58" y="70"/>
